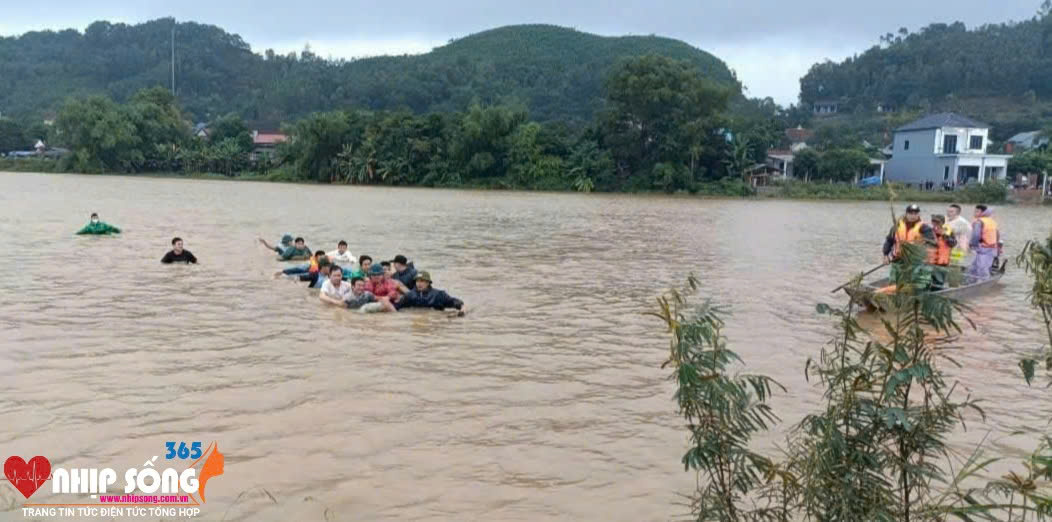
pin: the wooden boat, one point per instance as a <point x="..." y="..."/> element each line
<point x="968" y="289"/>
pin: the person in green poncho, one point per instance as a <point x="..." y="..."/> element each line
<point x="98" y="228"/>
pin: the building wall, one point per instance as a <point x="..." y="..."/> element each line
<point x="918" y="170"/>
<point x="922" y="144"/>
<point x="914" y="169"/>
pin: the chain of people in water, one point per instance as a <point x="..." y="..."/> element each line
<point x="974" y="247"/>
<point x="342" y="279"/>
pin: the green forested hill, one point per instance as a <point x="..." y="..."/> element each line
<point x="940" y="62"/>
<point x="556" y="72"/>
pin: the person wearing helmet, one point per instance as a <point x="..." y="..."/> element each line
<point x="908" y="229"/>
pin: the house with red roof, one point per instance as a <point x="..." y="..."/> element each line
<point x="265" y="141"/>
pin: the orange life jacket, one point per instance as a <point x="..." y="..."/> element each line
<point x="313" y="265"/>
<point x="940" y="255"/>
<point x="909" y="235"/>
<point x="989" y="238"/>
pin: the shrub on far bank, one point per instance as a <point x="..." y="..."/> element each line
<point x="31" y="165"/>
<point x="726" y="187"/>
<point x="989" y="193"/>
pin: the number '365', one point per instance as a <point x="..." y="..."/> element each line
<point x="193" y="452"/>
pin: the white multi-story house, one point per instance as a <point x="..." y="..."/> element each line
<point x="944" y="150"/>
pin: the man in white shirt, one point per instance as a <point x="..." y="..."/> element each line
<point x="334" y="290"/>
<point x="962" y="232"/>
<point x="343" y="257"/>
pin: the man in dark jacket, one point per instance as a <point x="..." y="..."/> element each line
<point x="424" y="296"/>
<point x="178" y="254"/>
<point x="405" y="272"/>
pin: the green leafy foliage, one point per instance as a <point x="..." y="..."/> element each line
<point x="231" y="127"/>
<point x="843" y="165"/>
<point x="107" y="137"/>
<point x="12" y="136"/>
<point x="722" y="411"/>
<point x="941" y="61"/>
<point x="805" y="163"/>
<point x="878" y="448"/>
<point x="662" y="111"/>
<point x="1036" y="259"/>
<point x="1031" y="162"/>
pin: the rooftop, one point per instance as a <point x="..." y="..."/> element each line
<point x="946" y="119"/>
<point x="1029" y="138"/>
<point x="798" y="135"/>
<point x="268" y="138"/>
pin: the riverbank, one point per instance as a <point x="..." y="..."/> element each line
<point x="724" y="188"/>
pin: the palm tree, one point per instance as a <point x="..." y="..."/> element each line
<point x="345" y="162"/>
<point x="738" y="158"/>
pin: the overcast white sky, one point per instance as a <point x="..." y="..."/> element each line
<point x="769" y="43"/>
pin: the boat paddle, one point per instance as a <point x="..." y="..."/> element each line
<point x="864" y="274"/>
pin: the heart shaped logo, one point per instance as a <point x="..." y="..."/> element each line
<point x="27" y="477"/>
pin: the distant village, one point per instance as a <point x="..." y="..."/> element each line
<point x="942" y="151"/>
<point x="264" y="141"/>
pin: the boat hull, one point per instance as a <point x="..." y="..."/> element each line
<point x="865" y="292"/>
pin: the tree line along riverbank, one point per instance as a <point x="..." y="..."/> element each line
<point x="662" y="127"/>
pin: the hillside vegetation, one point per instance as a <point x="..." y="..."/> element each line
<point x="940" y="61"/>
<point x="556" y="73"/>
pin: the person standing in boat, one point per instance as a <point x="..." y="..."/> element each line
<point x="939" y="256"/>
<point x="984" y="242"/>
<point x="908" y="229"/>
<point x="962" y="232"/>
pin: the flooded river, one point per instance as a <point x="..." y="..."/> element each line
<point x="545" y="403"/>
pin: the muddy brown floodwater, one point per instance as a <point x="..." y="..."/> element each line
<point x="545" y="403"/>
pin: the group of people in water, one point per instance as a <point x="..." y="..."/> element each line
<point x="360" y="283"/>
<point x="342" y="279"/>
<point x="973" y="247"/>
